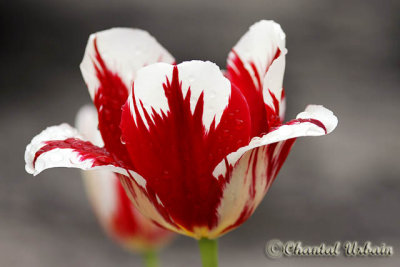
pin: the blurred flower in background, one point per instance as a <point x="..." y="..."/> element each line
<point x="115" y="212"/>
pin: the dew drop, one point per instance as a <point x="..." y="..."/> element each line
<point x="239" y="124"/>
<point x="122" y="140"/>
<point x="166" y="174"/>
<point x="107" y="115"/>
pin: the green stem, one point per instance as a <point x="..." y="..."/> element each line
<point x="209" y="252"/>
<point x="150" y="259"/>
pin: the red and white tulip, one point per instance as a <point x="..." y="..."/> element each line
<point x="197" y="150"/>
<point x="115" y="212"/>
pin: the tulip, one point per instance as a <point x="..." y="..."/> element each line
<point x="197" y="150"/>
<point x="115" y="212"/>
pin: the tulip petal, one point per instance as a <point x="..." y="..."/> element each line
<point x="86" y="123"/>
<point x="115" y="211"/>
<point x="256" y="166"/>
<point x="250" y="180"/>
<point x="199" y="80"/>
<point x="113" y="208"/>
<point x="314" y="121"/>
<point x="179" y="122"/>
<point x="143" y="201"/>
<point x="62" y="146"/>
<point x="117" y="214"/>
<point x="111" y="61"/>
<point x="123" y="51"/>
<point x="256" y="66"/>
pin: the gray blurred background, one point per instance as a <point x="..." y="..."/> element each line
<point x="345" y="186"/>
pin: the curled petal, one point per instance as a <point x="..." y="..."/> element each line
<point x="62" y="146"/>
<point x="314" y="121"/>
<point x="256" y="66"/>
<point x="253" y="168"/>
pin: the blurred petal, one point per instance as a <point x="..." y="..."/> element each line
<point x="87" y="122"/>
<point x="118" y="216"/>
<point x="112" y="206"/>
<point x="256" y="66"/>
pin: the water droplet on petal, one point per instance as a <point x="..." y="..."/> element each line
<point x="122" y="140"/>
<point x="239" y="124"/>
<point x="166" y="174"/>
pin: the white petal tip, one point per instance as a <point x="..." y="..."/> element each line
<point x="322" y="114"/>
<point x="270" y="23"/>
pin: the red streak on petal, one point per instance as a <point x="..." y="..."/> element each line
<point x="123" y="223"/>
<point x="314" y="121"/>
<point x="275" y="160"/>
<point x="277" y="54"/>
<point x="129" y="181"/>
<point x="240" y="76"/>
<point x="244" y="215"/>
<point x="176" y="155"/>
<point x="127" y="223"/>
<point x="109" y="99"/>
<point x="271" y="161"/>
<point x="283" y="154"/>
<point x="86" y="150"/>
<point x="253" y="160"/>
<point x="263" y="116"/>
<point x="257" y="76"/>
<point x="274" y="119"/>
